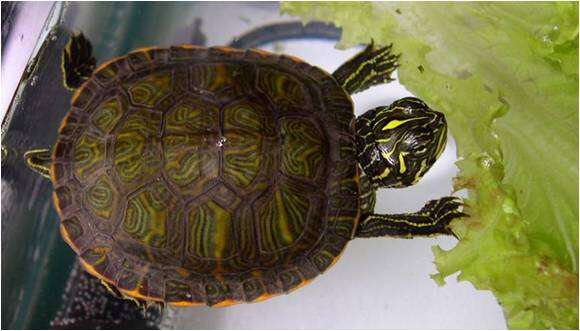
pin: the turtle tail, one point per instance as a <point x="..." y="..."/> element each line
<point x="78" y="62"/>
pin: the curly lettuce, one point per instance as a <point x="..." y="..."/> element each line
<point x="506" y="76"/>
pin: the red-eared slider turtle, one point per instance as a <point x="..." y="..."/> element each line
<point x="191" y="175"/>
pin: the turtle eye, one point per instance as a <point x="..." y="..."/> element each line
<point x="399" y="143"/>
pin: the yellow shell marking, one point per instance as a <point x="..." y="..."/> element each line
<point x="101" y="198"/>
<point x="146" y="217"/>
<point x="107" y="115"/>
<point x="211" y="231"/>
<point x="286" y="234"/>
<point x="88" y="154"/>
<point x="150" y="90"/>
<point x="282" y="218"/>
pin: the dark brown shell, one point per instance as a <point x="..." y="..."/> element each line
<point x="196" y="175"/>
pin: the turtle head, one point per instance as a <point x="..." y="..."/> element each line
<point x="396" y="145"/>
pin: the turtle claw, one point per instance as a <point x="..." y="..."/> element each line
<point x="442" y="212"/>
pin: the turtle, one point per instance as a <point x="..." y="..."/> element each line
<point x="192" y="175"/>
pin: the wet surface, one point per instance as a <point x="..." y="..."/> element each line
<point x="87" y="304"/>
<point x="33" y="254"/>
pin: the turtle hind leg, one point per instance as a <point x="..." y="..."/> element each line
<point x="78" y="62"/>
<point x="112" y="290"/>
<point x="434" y="218"/>
<point x="370" y="67"/>
<point x="39" y="160"/>
<point x="141" y="304"/>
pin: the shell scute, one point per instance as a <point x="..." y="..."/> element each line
<point x="144" y="58"/>
<point x="302" y="148"/>
<point x="247" y="134"/>
<point x="253" y="289"/>
<point x="187" y="53"/>
<point x="63" y="151"/>
<point x="151" y="225"/>
<point x="101" y="197"/>
<point x="88" y="156"/>
<point x="191" y="130"/>
<point x="108" y="114"/>
<point x="128" y="280"/>
<point x="97" y="257"/>
<point x="222" y="81"/>
<point x="73" y="227"/>
<point x="151" y="89"/>
<point x="211" y="231"/>
<point x="82" y="97"/>
<point x="283" y="90"/>
<point x="72" y="125"/>
<point x="136" y="148"/>
<point x="177" y="291"/>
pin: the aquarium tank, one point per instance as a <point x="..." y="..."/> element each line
<point x="505" y="75"/>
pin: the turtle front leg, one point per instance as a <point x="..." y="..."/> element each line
<point x="372" y="66"/>
<point x="39" y="161"/>
<point x="396" y="146"/>
<point x="368" y="196"/>
<point x="434" y="218"/>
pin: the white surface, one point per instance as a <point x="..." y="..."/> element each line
<point x="378" y="283"/>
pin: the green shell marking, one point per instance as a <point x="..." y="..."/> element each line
<point x="284" y="217"/>
<point x="302" y="148"/>
<point x="211" y="232"/>
<point x="146" y="216"/>
<point x="107" y="115"/>
<point x="101" y="198"/>
<point x="88" y="156"/>
<point x="149" y="90"/>
<point x="247" y="134"/>
<point x="136" y="146"/>
<point x="190" y="158"/>
<point x="215" y="176"/>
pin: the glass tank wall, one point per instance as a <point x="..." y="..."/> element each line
<point x="381" y="283"/>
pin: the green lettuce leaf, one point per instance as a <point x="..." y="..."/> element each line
<point x="506" y="76"/>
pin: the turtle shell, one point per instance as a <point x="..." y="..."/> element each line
<point x="194" y="175"/>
